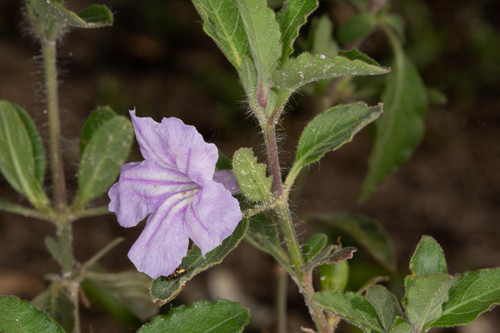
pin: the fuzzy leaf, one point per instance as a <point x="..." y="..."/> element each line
<point x="314" y="246"/>
<point x="165" y="289"/>
<point x="292" y="16"/>
<point x="203" y="316"/>
<point x="331" y="129"/>
<point x="17" y="316"/>
<point x="401" y="326"/>
<point x="428" y="258"/>
<point x="351" y="307"/>
<point x="96" y="119"/>
<point x="385" y="304"/>
<point x="473" y="293"/>
<point x="251" y="175"/>
<point x="400" y="129"/>
<point x="365" y="231"/>
<point x="57" y="305"/>
<point x="263" y="34"/>
<point x="105" y="153"/>
<point x="425" y="298"/>
<point x="222" y="22"/>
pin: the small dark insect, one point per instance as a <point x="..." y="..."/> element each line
<point x="178" y="272"/>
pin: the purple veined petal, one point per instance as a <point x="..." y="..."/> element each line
<point x="228" y="179"/>
<point x="212" y="216"/>
<point x="164" y="242"/>
<point x="150" y="143"/>
<point x="142" y="187"/>
<point x="193" y="155"/>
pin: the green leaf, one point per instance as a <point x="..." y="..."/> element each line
<point x="334" y="276"/>
<point x="251" y="175"/>
<point x="96" y="119"/>
<point x="385" y="303"/>
<point x="473" y="293"/>
<point x="96" y="16"/>
<point x="54" y="248"/>
<point x="16" y="156"/>
<point x="17" y="316"/>
<point x="314" y="246"/>
<point x="223" y="163"/>
<point x="264" y="35"/>
<point x="357" y="28"/>
<point x="222" y="22"/>
<point x="400" y="128"/>
<point x="203" y="316"/>
<point x="351" y="307"/>
<point x="320" y="38"/>
<point x="248" y="76"/>
<point x="105" y="153"/>
<point x="292" y="16"/>
<point x="401" y="326"/>
<point x="36" y="144"/>
<point x="428" y="258"/>
<point x="307" y="68"/>
<point x="164" y="290"/>
<point x="367" y="232"/>
<point x="57" y="305"/>
<point x="425" y="299"/>
<point x="129" y="288"/>
<point x="262" y="234"/>
<point x="330" y="130"/>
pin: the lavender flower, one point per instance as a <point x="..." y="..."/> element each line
<point x="178" y="185"/>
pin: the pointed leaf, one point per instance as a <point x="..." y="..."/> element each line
<point x="314" y="246"/>
<point x="101" y="161"/>
<point x="222" y="22"/>
<point x="203" y="316"/>
<point x="331" y="129"/>
<point x="385" y="303"/>
<point x="473" y="293"/>
<point x="369" y="233"/>
<point x="96" y="119"/>
<point x="400" y="129"/>
<point x="251" y="175"/>
<point x="165" y="289"/>
<point x="428" y="258"/>
<point x="36" y="144"/>
<point x="16" y="155"/>
<point x="57" y="305"/>
<point x="307" y="68"/>
<point x="401" y="326"/>
<point x="357" y="27"/>
<point x="17" y="316"/>
<point x="263" y="34"/>
<point x="292" y="16"/>
<point x="96" y="16"/>
<point x="425" y="299"/>
<point x="351" y="307"/>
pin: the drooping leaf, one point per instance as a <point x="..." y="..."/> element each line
<point x="385" y="304"/>
<point x="57" y="305"/>
<point x="357" y="28"/>
<point x="307" y="68"/>
<point x="425" y="298"/>
<point x="428" y="258"/>
<point x="367" y="232"/>
<point x="17" y="316"/>
<point x="351" y="307"/>
<point x="16" y="155"/>
<point x="222" y="22"/>
<point x="292" y="16"/>
<point x="165" y="289"/>
<point x="334" y="276"/>
<point x="314" y="246"/>
<point x="330" y="130"/>
<point x="105" y="153"/>
<point x="473" y="293"/>
<point x="203" y="316"/>
<point x="401" y="326"/>
<point x="262" y="234"/>
<point x="251" y="175"/>
<point x="263" y="34"/>
<point x="400" y="129"/>
<point x="36" y="144"/>
<point x="96" y="119"/>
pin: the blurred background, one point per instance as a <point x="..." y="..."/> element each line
<point x="157" y="59"/>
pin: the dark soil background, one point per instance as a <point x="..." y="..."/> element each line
<point x="156" y="58"/>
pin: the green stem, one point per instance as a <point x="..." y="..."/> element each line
<point x="57" y="168"/>
<point x="282" y="283"/>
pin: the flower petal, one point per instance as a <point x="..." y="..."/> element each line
<point x="228" y="179"/>
<point x="143" y="187"/>
<point x="193" y="156"/>
<point x="212" y="216"/>
<point x="163" y="243"/>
